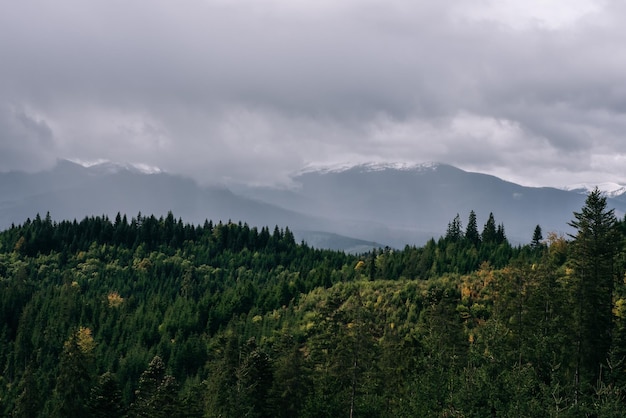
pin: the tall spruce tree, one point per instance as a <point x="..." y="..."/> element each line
<point x="490" y="234"/>
<point x="500" y="234"/>
<point x="537" y="238"/>
<point x="594" y="246"/>
<point x="471" y="233"/>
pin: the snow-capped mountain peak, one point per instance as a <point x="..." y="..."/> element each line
<point x="609" y="189"/>
<point x="369" y="167"/>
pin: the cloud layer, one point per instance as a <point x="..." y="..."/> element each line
<point x="247" y="91"/>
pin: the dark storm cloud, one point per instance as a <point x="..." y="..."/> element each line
<point x="247" y="91"/>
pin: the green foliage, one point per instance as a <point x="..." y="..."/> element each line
<point x="595" y="247"/>
<point x="106" y="398"/>
<point x="489" y="234"/>
<point x="71" y="392"/>
<point x="471" y="232"/>
<point x="157" y="394"/>
<point x="454" y="233"/>
<point x="29" y="401"/>
<point x="537" y="238"/>
<point x="153" y="317"/>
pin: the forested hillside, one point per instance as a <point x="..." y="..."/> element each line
<point x="152" y="317"/>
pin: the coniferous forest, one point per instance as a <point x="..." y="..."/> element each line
<point x="153" y="317"/>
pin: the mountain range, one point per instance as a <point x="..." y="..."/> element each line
<point x="353" y="208"/>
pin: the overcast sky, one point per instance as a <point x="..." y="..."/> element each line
<point x="533" y="91"/>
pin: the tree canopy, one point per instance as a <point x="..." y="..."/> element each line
<point x="154" y="317"/>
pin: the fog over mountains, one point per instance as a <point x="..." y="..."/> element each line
<point x="352" y="208"/>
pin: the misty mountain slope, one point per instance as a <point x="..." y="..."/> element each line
<point x="18" y="185"/>
<point x="90" y="191"/>
<point x="420" y="201"/>
<point x="71" y="191"/>
<point x="374" y="205"/>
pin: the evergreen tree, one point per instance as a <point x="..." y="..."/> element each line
<point x="500" y="235"/>
<point x="292" y="381"/>
<point x="222" y="384"/>
<point x="157" y="392"/>
<point x="454" y="233"/>
<point x="29" y="400"/>
<point x="106" y="398"/>
<point x="254" y="376"/>
<point x="71" y="393"/>
<point x="471" y="232"/>
<point x="595" y="246"/>
<point x="192" y="400"/>
<point x="537" y="238"/>
<point x="166" y="402"/>
<point x="489" y="235"/>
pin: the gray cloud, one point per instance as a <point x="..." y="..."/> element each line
<point x="239" y="91"/>
<point x="26" y="142"/>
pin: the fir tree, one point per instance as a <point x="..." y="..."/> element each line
<point x="471" y="232"/>
<point x="454" y="233"/>
<point x="489" y="235"/>
<point x="500" y="234"/>
<point x="537" y="238"/>
<point x="595" y="246"/>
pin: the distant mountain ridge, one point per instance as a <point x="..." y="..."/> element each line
<point x="73" y="191"/>
<point x="373" y="204"/>
<point x="408" y="203"/>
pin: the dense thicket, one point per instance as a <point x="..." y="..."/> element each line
<point x="154" y="317"/>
